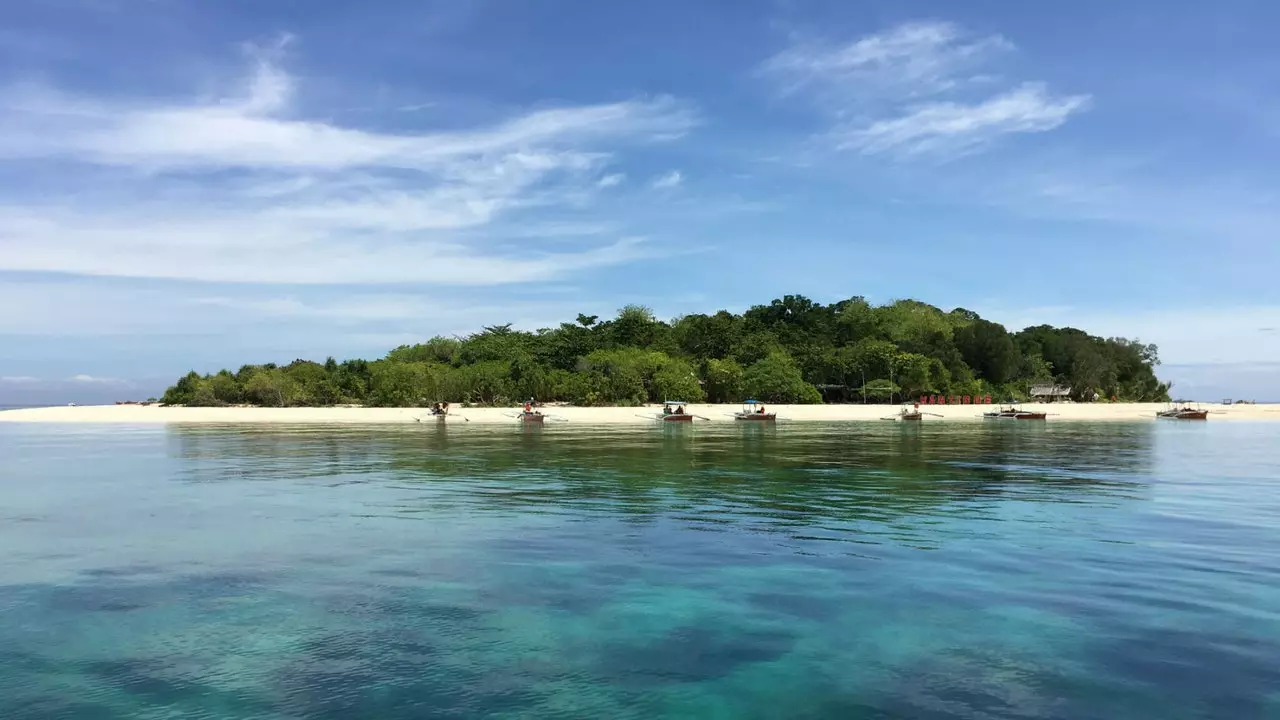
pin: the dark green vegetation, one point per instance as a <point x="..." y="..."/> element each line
<point x="792" y="350"/>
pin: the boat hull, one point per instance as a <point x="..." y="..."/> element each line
<point x="756" y="417"/>
<point x="531" y="417"/>
<point x="1016" y="416"/>
<point x="677" y="418"/>
<point x="1185" y="415"/>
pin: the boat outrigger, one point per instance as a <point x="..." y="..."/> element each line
<point x="1013" y="412"/>
<point x="1182" y="410"/>
<point x="754" y="411"/>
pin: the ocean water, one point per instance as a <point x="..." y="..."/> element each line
<point x="804" y="571"/>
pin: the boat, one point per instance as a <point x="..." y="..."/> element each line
<point x="754" y="411"/>
<point x="910" y="413"/>
<point x="675" y="411"/>
<point x="1182" y="410"/>
<point x="531" y="416"/>
<point x="1014" y="413"/>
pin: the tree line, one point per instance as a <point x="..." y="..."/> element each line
<point x="792" y="350"/>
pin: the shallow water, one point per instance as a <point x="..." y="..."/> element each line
<point x="807" y="571"/>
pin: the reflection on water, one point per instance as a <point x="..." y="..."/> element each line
<point x="874" y="570"/>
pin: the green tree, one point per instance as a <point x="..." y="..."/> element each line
<point x="271" y="387"/>
<point x="182" y="391"/>
<point x="989" y="349"/>
<point x="723" y="380"/>
<point x="675" y="380"/>
<point x="777" y="379"/>
<point x="401" y="384"/>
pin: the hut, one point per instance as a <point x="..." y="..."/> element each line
<point x="1050" y="393"/>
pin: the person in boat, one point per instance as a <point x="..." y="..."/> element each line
<point x="679" y="409"/>
<point x="436" y="409"/>
<point x="528" y="407"/>
<point x="666" y="409"/>
<point x="760" y="410"/>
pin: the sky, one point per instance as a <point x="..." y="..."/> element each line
<point x="188" y="184"/>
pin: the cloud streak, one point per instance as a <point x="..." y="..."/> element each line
<point x="92" y="380"/>
<point x="957" y="127"/>
<point x="247" y="189"/>
<point x="917" y="89"/>
<point x="668" y="181"/>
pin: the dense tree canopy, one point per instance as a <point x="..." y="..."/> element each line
<point x="792" y="350"/>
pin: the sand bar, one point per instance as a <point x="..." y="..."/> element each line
<point x="1058" y="412"/>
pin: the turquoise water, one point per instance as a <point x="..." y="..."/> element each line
<point x="808" y="571"/>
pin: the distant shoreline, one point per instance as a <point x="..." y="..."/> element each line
<point x="718" y="414"/>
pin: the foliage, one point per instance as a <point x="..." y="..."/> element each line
<point x="790" y="350"/>
<point x="777" y="379"/>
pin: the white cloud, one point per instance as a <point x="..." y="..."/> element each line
<point x="90" y="379"/>
<point x="668" y="181"/>
<point x="957" y="127"/>
<point x="245" y="189"/>
<point x="612" y="180"/>
<point x="92" y="308"/>
<point x="918" y="88"/>
<point x="19" y="379"/>
<point x="910" y="59"/>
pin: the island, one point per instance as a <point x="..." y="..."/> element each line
<point x="790" y="351"/>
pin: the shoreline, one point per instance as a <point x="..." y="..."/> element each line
<point x="1058" y="412"/>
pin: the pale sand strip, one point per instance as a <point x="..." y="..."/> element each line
<point x="126" y="414"/>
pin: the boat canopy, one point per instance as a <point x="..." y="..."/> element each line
<point x="674" y="402"/>
<point x="750" y="402"/>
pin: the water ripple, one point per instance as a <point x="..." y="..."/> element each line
<point x="1053" y="571"/>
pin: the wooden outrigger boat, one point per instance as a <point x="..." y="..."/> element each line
<point x="754" y="411"/>
<point x="1183" y="411"/>
<point x="528" y="414"/>
<point x="440" y="413"/>
<point x="911" y="414"/>
<point x="674" y="411"/>
<point x="1014" y="413"/>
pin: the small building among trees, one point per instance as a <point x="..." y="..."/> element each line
<point x="1050" y="393"/>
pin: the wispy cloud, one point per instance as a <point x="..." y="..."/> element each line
<point x="612" y="180"/>
<point x="98" y="309"/>
<point x="956" y="127"/>
<point x="19" y="379"/>
<point x="90" y="379"/>
<point x="917" y="58"/>
<point x="668" y="181"/>
<point x="922" y="87"/>
<point x="246" y="188"/>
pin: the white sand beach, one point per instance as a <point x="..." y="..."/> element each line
<point x="137" y="414"/>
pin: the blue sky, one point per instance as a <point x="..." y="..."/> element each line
<point x="191" y="184"/>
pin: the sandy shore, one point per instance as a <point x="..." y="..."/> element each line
<point x="126" y="414"/>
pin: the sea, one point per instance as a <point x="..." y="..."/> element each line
<point x="1037" y="570"/>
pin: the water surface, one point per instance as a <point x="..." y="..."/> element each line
<point x="807" y="571"/>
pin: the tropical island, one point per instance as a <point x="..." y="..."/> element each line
<point x="792" y="350"/>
